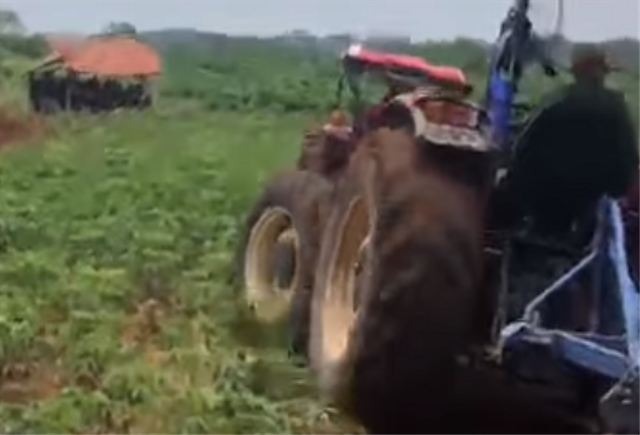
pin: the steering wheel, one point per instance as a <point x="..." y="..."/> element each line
<point x="547" y="21"/>
<point x="528" y="35"/>
<point x="547" y="17"/>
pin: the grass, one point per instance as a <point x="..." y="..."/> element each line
<point x="12" y="78"/>
<point x="115" y="243"/>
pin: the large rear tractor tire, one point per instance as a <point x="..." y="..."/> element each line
<point x="393" y="300"/>
<point x="277" y="256"/>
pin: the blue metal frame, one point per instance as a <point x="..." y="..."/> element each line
<point x="615" y="357"/>
<point x="611" y="356"/>
<point x="629" y="296"/>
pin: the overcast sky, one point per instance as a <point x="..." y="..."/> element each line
<point x="421" y="19"/>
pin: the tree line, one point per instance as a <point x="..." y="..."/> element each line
<point x="296" y="71"/>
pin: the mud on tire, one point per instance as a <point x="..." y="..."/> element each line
<point x="391" y="365"/>
<point x="275" y="261"/>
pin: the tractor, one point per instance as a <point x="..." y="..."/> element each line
<point x="436" y="264"/>
<point x="278" y="252"/>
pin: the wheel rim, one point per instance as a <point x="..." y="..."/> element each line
<point x="268" y="286"/>
<point x="341" y="299"/>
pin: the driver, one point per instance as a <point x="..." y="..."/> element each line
<point x="607" y="164"/>
<point x="590" y="68"/>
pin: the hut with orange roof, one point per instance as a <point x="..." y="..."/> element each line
<point x="91" y="73"/>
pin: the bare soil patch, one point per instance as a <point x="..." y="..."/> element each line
<point x="16" y="128"/>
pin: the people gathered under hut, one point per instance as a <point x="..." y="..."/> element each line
<point x="106" y="75"/>
<point x="51" y="93"/>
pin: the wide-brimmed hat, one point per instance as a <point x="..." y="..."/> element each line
<point x="586" y="58"/>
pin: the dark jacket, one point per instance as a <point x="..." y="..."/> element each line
<point x="623" y="139"/>
<point x="580" y="145"/>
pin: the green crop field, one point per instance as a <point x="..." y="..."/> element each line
<point x="116" y="241"/>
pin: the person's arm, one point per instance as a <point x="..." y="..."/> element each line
<point x="626" y="140"/>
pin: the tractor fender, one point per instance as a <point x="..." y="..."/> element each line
<point x="430" y="122"/>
